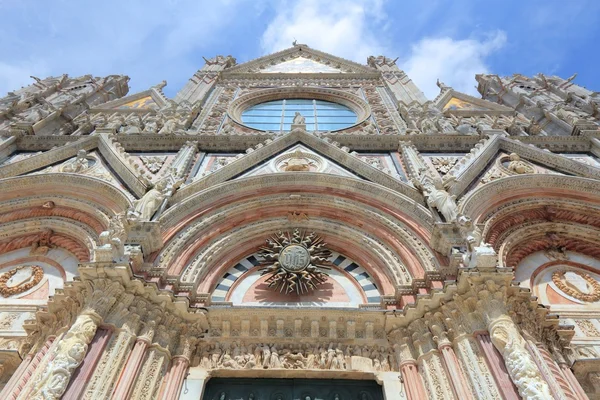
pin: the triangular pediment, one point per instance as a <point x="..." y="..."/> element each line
<point x="301" y="65"/>
<point x="148" y="100"/>
<point x="457" y="103"/>
<point x="300" y="59"/>
<point x="101" y="159"/>
<point x="315" y="154"/>
<point x="500" y="157"/>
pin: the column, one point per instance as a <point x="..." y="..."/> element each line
<point x="31" y="368"/>
<point x="573" y="382"/>
<point x="391" y="385"/>
<point x="459" y="384"/>
<point x="71" y="349"/>
<point x="413" y="383"/>
<point x="497" y="368"/>
<point x="16" y="377"/>
<point x="86" y="369"/>
<point x="179" y="367"/>
<point x="521" y="367"/>
<point x="550" y="371"/>
<point x="193" y="387"/>
<point x="567" y="373"/>
<point x="131" y="368"/>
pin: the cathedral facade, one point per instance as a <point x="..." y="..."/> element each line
<point x="300" y="226"/>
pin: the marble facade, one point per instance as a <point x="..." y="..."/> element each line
<point x="444" y="248"/>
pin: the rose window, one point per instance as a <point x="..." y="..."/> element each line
<point x="319" y="115"/>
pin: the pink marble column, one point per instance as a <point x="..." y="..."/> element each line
<point x="497" y="368"/>
<point x="35" y="361"/>
<point x="557" y="374"/>
<point x="459" y="384"/>
<point x="16" y="377"/>
<point x="85" y="370"/>
<point x="573" y="382"/>
<point x="412" y="381"/>
<point x="131" y="369"/>
<point x="174" y="378"/>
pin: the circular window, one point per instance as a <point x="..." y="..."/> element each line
<point x="320" y="115"/>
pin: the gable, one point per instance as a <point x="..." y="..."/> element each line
<point x="300" y="59"/>
<point x="459" y="104"/>
<point x="142" y="103"/>
<point x="335" y="159"/>
<point x="93" y="165"/>
<point x="301" y="65"/>
<point x="452" y="102"/>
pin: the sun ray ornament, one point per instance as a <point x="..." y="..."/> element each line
<point x="295" y="261"/>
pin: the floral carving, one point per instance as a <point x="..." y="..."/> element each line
<point x="153" y="163"/>
<point x="37" y="273"/>
<point x="444" y="164"/>
<point x="558" y="278"/>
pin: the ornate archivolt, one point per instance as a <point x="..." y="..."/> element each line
<point x="90" y="195"/>
<point x="214" y="258"/>
<point x="510" y="216"/>
<point x="486" y="199"/>
<point x="552" y="237"/>
<point x="387" y="237"/>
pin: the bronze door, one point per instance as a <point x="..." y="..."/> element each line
<point x="291" y="389"/>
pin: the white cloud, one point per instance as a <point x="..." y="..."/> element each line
<point x="353" y="29"/>
<point x="341" y="28"/>
<point x="454" y="62"/>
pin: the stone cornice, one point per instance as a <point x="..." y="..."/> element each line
<point x="233" y="143"/>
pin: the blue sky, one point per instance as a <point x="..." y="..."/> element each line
<point x="155" y="40"/>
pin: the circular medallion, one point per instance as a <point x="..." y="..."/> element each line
<point x="294" y="258"/>
<point x="20" y="280"/>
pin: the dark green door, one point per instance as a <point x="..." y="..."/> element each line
<point x="291" y="389"/>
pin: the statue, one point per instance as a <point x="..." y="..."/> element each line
<point x="151" y="124"/>
<point x="299" y="119"/>
<point x="170" y="126"/>
<point x="465" y="128"/>
<point x="445" y="125"/>
<point x="519" y="166"/>
<point x="442" y="85"/>
<point x="469" y="231"/>
<point x="113" y="239"/>
<point x="84" y="124"/>
<point x="134" y="124"/>
<point x="115" y="122"/>
<point x="438" y="197"/>
<point x="428" y="127"/>
<point x="78" y="164"/>
<point x="43" y="244"/>
<point x="297" y="162"/>
<point x="146" y="207"/>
